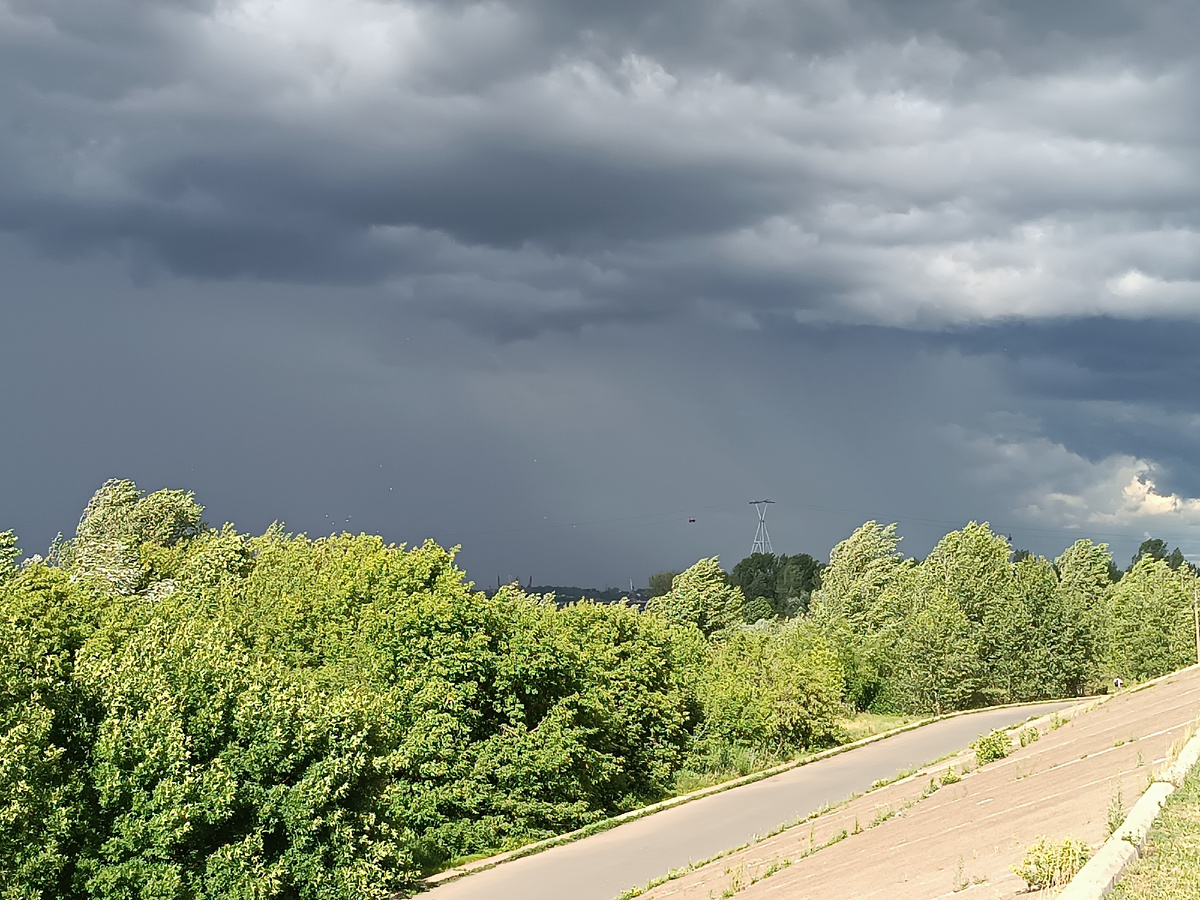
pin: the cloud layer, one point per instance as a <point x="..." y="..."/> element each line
<point x="520" y="166"/>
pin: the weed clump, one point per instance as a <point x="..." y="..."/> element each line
<point x="1029" y="735"/>
<point x="1049" y="864"/>
<point x="991" y="747"/>
<point x="1116" y="811"/>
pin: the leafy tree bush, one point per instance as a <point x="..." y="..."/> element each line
<point x="774" y="690"/>
<point x="1050" y="864"/>
<point x="1150" y="625"/>
<point x="702" y="597"/>
<point x="993" y="746"/>
<point x="47" y="725"/>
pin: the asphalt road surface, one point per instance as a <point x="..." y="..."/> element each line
<point x="601" y="866"/>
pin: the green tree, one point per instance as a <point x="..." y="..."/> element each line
<point x="756" y="576"/>
<point x="9" y="554"/>
<point x="860" y="570"/>
<point x="937" y="659"/>
<point x="1155" y="548"/>
<point x="799" y="575"/>
<point x="775" y="691"/>
<point x="131" y="540"/>
<point x="1075" y="630"/>
<point x="865" y="594"/>
<point x="1150" y="621"/>
<point x="47" y="724"/>
<point x="660" y="582"/>
<point x="969" y="602"/>
<point x="701" y="596"/>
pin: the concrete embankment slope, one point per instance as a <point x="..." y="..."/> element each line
<point x="600" y="866"/>
<point x="961" y="838"/>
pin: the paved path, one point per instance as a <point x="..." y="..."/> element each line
<point x="601" y="866"/>
<point x="960" y="842"/>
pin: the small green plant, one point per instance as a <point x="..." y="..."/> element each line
<point x="882" y="814"/>
<point x="857" y="827"/>
<point x="1057" y="722"/>
<point x="1049" y="864"/>
<point x="962" y="881"/>
<point x="777" y="865"/>
<point x="930" y="789"/>
<point x="737" y="881"/>
<point x="1116" y="811"/>
<point x="951" y="777"/>
<point x="1029" y="735"/>
<point x="991" y="747"/>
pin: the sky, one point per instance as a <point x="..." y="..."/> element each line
<point x="550" y="280"/>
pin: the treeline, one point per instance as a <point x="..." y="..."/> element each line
<point x="975" y="624"/>
<point x="190" y="712"/>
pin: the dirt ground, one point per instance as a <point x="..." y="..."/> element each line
<point x="919" y="838"/>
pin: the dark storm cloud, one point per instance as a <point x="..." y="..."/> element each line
<point x="1104" y="385"/>
<point x="911" y="164"/>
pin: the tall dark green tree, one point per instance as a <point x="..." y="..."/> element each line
<point x="1155" y="548"/>
<point x="660" y="582"/>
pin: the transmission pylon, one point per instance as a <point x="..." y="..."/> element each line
<point x="762" y="540"/>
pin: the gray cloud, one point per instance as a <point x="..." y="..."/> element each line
<point x="910" y="164"/>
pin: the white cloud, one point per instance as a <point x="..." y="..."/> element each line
<point x="1053" y="487"/>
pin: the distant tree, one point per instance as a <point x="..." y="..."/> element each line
<point x="1155" y="548"/>
<point x="660" y="582"/>
<point x="756" y="576"/>
<point x="785" y="582"/>
<point x="1018" y="555"/>
<point x="757" y="610"/>
<point x="1175" y="560"/>
<point x="799" y="575"/>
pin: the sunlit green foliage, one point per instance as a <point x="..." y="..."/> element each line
<point x="189" y="712"/>
<point x="774" y="690"/>
<point x="47" y="726"/>
<point x="775" y="586"/>
<point x="1150" y="624"/>
<point x="702" y="597"/>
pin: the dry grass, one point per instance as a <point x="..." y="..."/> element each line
<point x="866" y="724"/>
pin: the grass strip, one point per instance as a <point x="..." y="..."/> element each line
<point x="1170" y="865"/>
